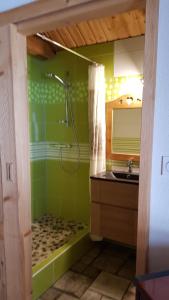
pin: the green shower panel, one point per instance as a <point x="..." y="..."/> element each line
<point x="66" y="192"/>
<point x="38" y="188"/>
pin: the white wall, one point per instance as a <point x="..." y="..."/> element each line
<point x="129" y="56"/>
<point x="9" y="4"/>
<point x="159" y="208"/>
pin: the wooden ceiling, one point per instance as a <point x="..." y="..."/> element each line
<point x="91" y="32"/>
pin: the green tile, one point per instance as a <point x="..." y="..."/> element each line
<point x="59" y="262"/>
<point x="42" y="281"/>
<point x="54" y="112"/>
<point x="38" y="169"/>
<point x="68" y="258"/>
<point x="72" y="201"/>
<point x="38" y="196"/>
<point x="47" y="106"/>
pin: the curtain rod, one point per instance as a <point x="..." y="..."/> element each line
<point x="43" y="37"/>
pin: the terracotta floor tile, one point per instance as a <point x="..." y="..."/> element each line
<point x="87" y="259"/>
<point x="91" y="272"/>
<point x="131" y="293"/>
<point x="67" y="297"/>
<point x="95" y="251"/>
<point x="78" y="267"/>
<point x="73" y="283"/>
<point x="129" y="269"/>
<point x="107" y="298"/>
<point x="117" y="251"/>
<point x="51" y="294"/>
<point x="110" y="285"/>
<point x="108" y="263"/>
<point x="91" y="295"/>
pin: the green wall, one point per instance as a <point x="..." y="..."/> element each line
<point x="64" y="194"/>
<point x="37" y="136"/>
<point x="53" y="190"/>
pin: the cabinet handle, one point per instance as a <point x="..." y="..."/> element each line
<point x="9" y="171"/>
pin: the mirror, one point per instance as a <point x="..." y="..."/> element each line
<point x="123" y="128"/>
<point x="126" y="129"/>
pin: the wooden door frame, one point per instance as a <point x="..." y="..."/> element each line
<point x="14" y="26"/>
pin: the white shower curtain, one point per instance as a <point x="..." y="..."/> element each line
<point x="97" y="119"/>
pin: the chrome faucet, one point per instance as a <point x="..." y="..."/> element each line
<point x="130" y="165"/>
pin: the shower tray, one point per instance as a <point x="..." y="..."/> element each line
<point x="56" y="245"/>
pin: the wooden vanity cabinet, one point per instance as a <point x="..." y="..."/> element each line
<point x="114" y="210"/>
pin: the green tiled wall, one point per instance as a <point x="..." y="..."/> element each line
<point x="38" y="183"/>
<point x="68" y="195"/>
<point x="37" y="134"/>
<point x="53" y="190"/>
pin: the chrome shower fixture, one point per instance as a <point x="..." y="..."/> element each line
<point x="68" y="121"/>
<point x="66" y="86"/>
<point x="54" y="76"/>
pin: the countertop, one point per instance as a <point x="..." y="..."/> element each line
<point x="108" y="176"/>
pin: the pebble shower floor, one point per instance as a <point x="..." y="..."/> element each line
<point x="50" y="233"/>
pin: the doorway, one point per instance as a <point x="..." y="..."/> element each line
<point x="15" y="161"/>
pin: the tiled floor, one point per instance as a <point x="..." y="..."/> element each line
<point x="104" y="273"/>
<point x="50" y="233"/>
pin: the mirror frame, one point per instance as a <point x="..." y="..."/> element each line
<point x="116" y="104"/>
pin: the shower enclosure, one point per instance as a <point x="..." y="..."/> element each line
<point x="59" y="153"/>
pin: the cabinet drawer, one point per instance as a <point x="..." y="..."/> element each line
<point x="115" y="193"/>
<point x="118" y="224"/>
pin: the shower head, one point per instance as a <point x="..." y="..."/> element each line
<point x="54" y="76"/>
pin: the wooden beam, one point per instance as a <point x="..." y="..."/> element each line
<point x="38" y="47"/>
<point x="36" y="8"/>
<point x="14" y="141"/>
<point x="76" y="13"/>
<point x="3" y="287"/>
<point x="150" y="60"/>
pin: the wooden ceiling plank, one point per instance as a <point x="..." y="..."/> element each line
<point x="98" y="31"/>
<point x="76" y="35"/>
<point x="108" y="28"/>
<point x="105" y="28"/>
<point x="91" y="9"/>
<point x="135" y="23"/>
<point x="55" y="36"/>
<point x="119" y="27"/>
<point x="38" y="47"/>
<point x="86" y="33"/>
<point x="67" y="38"/>
<point x="47" y="34"/>
<point x="125" y="20"/>
<point x="140" y="14"/>
<point x="131" y="23"/>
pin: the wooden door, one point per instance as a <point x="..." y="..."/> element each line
<point x="15" y="217"/>
<point x="2" y="249"/>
